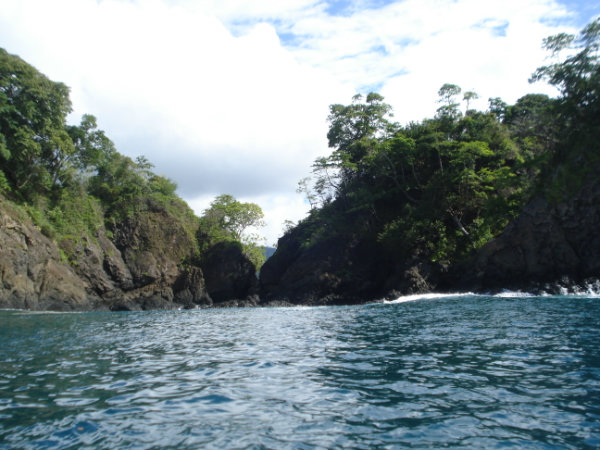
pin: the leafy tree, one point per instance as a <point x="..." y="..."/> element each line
<point x="227" y="219"/>
<point x="575" y="148"/>
<point x="447" y="97"/>
<point x="93" y="148"/>
<point x="33" y="142"/>
<point x="231" y="216"/>
<point x="577" y="77"/>
<point x="468" y="97"/>
<point x="351" y="123"/>
<point x="354" y="130"/>
<point x="497" y="107"/>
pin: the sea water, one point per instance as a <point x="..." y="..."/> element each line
<point x="452" y="371"/>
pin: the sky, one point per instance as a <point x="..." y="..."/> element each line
<point x="232" y="96"/>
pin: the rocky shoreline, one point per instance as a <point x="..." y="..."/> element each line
<point x="549" y="248"/>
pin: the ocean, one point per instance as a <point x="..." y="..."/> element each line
<point x="458" y="371"/>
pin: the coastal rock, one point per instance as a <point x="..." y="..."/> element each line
<point x="190" y="288"/>
<point x="338" y="270"/>
<point x="33" y="275"/>
<point x="548" y="244"/>
<point x="143" y="270"/>
<point x="153" y="244"/>
<point x="552" y="246"/>
<point x="228" y="273"/>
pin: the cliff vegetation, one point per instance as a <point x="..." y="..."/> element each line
<point x="404" y="209"/>
<point x="83" y="226"/>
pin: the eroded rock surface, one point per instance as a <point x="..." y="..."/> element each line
<point x="146" y="265"/>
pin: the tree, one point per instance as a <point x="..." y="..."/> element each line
<point x="578" y="78"/>
<point x="305" y="188"/>
<point x="447" y="97"/>
<point x="227" y="219"/>
<point x="351" y="123"/>
<point x="33" y="142"/>
<point x="92" y="147"/>
<point x="497" y="107"/>
<point x="354" y="131"/>
<point x="231" y="216"/>
<point x="468" y="97"/>
<point x="394" y="158"/>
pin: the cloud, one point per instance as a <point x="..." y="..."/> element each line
<point x="231" y="96"/>
<point x="407" y="52"/>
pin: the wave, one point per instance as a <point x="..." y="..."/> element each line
<point x="513" y="294"/>
<point x="414" y="297"/>
<point x="587" y="291"/>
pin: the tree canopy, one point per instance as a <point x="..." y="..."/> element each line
<point x="73" y="181"/>
<point x="228" y="219"/>
<point x="445" y="186"/>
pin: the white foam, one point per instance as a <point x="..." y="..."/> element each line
<point x="430" y="296"/>
<point x="514" y="294"/>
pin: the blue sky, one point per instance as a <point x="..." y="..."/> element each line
<point x="583" y="11"/>
<point x="232" y="96"/>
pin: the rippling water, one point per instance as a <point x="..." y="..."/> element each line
<point x="455" y="372"/>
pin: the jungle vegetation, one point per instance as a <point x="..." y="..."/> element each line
<point x="441" y="188"/>
<point x="72" y="181"/>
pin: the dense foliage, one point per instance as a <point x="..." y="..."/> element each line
<point x="72" y="181"/>
<point x="227" y="219"/>
<point x="441" y="188"/>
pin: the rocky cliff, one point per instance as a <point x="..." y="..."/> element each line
<point x="144" y="265"/>
<point x="551" y="246"/>
<point x="340" y="269"/>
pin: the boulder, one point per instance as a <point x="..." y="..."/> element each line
<point x="228" y="273"/>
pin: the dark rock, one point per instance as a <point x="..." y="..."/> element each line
<point x="228" y="273"/>
<point x="153" y="243"/>
<point x="144" y="273"/>
<point x="190" y="289"/>
<point x="248" y="302"/>
<point x="113" y="264"/>
<point x="550" y="247"/>
<point x="337" y="270"/>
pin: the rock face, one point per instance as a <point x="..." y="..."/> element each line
<point x="548" y="244"/>
<point x="337" y="270"/>
<point x="229" y="274"/>
<point x="550" y="247"/>
<point x="144" y="266"/>
<point x="32" y="274"/>
<point x="146" y="263"/>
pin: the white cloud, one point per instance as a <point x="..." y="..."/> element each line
<point x="491" y="47"/>
<point x="231" y="96"/>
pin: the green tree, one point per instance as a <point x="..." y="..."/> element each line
<point x="351" y="123"/>
<point x="468" y="97"/>
<point x="92" y="148"/>
<point x="231" y="216"/>
<point x="577" y="76"/>
<point x="33" y="142"/>
<point x="447" y="97"/>
<point x="354" y="131"/>
<point x="497" y="107"/>
<point x="228" y="219"/>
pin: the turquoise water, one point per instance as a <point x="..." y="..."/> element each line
<point x="456" y="372"/>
